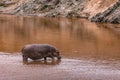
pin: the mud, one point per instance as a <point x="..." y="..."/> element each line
<point x="12" y="68"/>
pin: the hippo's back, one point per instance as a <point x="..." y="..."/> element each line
<point x="43" y="48"/>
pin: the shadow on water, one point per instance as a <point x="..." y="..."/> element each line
<point x="75" y="38"/>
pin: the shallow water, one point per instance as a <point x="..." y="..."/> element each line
<point x="76" y="38"/>
<point x="90" y="51"/>
<point x="12" y="68"/>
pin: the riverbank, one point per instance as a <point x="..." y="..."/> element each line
<point x="12" y="68"/>
<point x="94" y="10"/>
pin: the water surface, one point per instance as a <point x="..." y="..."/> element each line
<point x="76" y="38"/>
<point x="90" y="51"/>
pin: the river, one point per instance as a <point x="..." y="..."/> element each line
<point x="90" y="51"/>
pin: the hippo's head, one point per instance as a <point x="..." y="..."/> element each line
<point x="57" y="54"/>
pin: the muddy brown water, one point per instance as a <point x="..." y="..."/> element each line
<point x="90" y="51"/>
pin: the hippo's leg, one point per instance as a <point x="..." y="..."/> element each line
<point x="59" y="57"/>
<point x="45" y="58"/>
<point x="25" y="59"/>
<point x="52" y="58"/>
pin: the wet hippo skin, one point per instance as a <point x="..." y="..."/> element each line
<point x="39" y="51"/>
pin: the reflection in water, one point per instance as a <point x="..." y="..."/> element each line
<point x="56" y="62"/>
<point x="74" y="37"/>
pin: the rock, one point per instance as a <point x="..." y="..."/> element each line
<point x="112" y="14"/>
<point x="50" y="8"/>
<point x="6" y="3"/>
<point x="94" y="10"/>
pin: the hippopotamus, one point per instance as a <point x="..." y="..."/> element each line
<point x="39" y="51"/>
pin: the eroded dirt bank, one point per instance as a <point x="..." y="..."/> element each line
<point x="12" y="68"/>
<point x="94" y="10"/>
